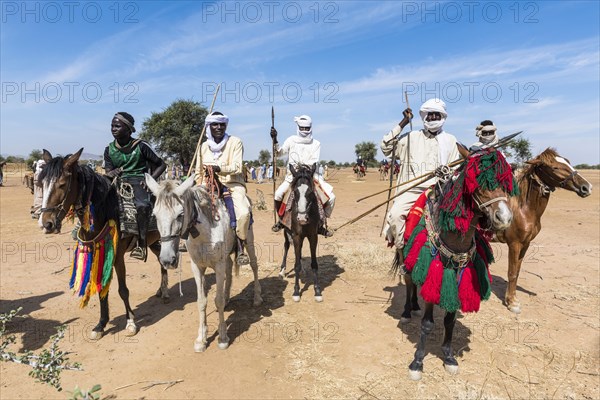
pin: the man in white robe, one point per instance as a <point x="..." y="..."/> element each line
<point x="302" y="148"/>
<point x="430" y="149"/>
<point x="486" y="133"/>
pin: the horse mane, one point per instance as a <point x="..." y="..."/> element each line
<point x="105" y="205"/>
<point x="545" y="158"/>
<point x="202" y="201"/>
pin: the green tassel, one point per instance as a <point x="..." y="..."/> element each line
<point x="449" y="292"/>
<point x="481" y="242"/>
<point x="421" y="268"/>
<point x="485" y="289"/>
<point x="109" y="259"/>
<point x="413" y="235"/>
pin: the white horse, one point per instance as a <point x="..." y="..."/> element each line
<point x="187" y="209"/>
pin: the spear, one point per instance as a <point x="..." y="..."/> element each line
<point x="501" y="143"/>
<point x="197" y="159"/>
<point x="423" y="178"/>
<point x="274" y="160"/>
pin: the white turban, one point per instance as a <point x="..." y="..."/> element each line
<point x="303" y="121"/>
<point x="487" y="134"/>
<point x="216" y="119"/>
<point x="433" y="105"/>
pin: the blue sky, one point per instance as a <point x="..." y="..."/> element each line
<point x="67" y="67"/>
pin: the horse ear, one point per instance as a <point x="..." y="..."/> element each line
<point x="313" y="168"/>
<point x="46" y="156"/>
<point x="151" y="184"/>
<point x="73" y="158"/>
<point x="292" y="170"/>
<point x="462" y="149"/>
<point x="188" y="183"/>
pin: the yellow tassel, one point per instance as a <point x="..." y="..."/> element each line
<point x="94" y="272"/>
<point x="85" y="224"/>
<point x="80" y="269"/>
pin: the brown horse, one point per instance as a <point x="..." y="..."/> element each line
<point x="537" y="181"/>
<point x="68" y="184"/>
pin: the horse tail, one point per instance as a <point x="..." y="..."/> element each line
<point x="396" y="268"/>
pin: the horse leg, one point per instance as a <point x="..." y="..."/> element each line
<point x="450" y="363"/>
<point x="415" y="369"/>
<point x="286" y="248"/>
<point x="516" y="253"/>
<point x="223" y="339"/>
<point x="198" y="272"/>
<point x="98" y="330"/>
<point x="297" y="266"/>
<point x="315" y="266"/>
<point x="254" y="264"/>
<point x="130" y="328"/>
<point x="228" y="279"/>
<point x="412" y="303"/>
<point x="163" y="290"/>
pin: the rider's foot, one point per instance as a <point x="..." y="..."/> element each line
<point x="277" y="227"/>
<point x="325" y="232"/>
<point x="139" y="253"/>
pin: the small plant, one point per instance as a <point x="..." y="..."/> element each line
<point x="47" y="365"/>
<point x="91" y="394"/>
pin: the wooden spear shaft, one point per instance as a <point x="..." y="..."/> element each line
<point x="197" y="159"/>
<point x="274" y="163"/>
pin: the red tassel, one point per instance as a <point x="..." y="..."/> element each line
<point x="281" y="210"/>
<point x="430" y="291"/>
<point x="413" y="253"/>
<point x="468" y="290"/>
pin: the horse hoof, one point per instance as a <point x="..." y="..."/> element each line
<point x="223" y="346"/>
<point x="166" y="300"/>
<point x="296" y="298"/>
<point x="199" y="347"/>
<point x="417" y="313"/>
<point x="319" y="299"/>
<point x="515" y="308"/>
<point x="404" y="320"/>
<point x="96" y="335"/>
<point x="415" y="375"/>
<point x="130" y="328"/>
<point x="451" y="369"/>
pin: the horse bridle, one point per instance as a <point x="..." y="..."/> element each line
<point x="172" y="237"/>
<point x="61" y="207"/>
<point x="561" y="184"/>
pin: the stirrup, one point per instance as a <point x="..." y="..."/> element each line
<point x="277" y="227"/>
<point x="139" y="253"/>
<point x="242" y="257"/>
<point x="324" y="231"/>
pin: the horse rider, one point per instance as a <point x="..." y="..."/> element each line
<point x="419" y="152"/>
<point x="129" y="158"/>
<point x="302" y="148"/>
<point x="223" y="154"/>
<point x="486" y="133"/>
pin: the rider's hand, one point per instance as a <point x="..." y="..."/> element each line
<point x="442" y="171"/>
<point x="408" y="115"/>
<point x="114" y="172"/>
<point x="274" y="134"/>
<point x="215" y="169"/>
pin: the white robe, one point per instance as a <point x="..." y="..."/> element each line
<point x="427" y="152"/>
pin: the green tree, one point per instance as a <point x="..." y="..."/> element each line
<point x="520" y="150"/>
<point x="264" y="157"/>
<point x="367" y="151"/>
<point x="15" y="159"/>
<point x="176" y="130"/>
<point x="33" y="156"/>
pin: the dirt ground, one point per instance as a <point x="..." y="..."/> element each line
<point x="350" y="346"/>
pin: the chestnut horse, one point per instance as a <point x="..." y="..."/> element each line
<point x="68" y="184"/>
<point x="537" y="181"/>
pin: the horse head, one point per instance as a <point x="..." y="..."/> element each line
<point x="556" y="171"/>
<point x="60" y="188"/>
<point x="480" y="188"/>
<point x="171" y="214"/>
<point x="304" y="194"/>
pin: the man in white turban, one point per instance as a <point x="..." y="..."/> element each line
<point x="224" y="154"/>
<point x="419" y="152"/>
<point x="302" y="148"/>
<point x="486" y="132"/>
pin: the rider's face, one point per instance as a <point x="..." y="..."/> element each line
<point x="433" y="116"/>
<point x="120" y="131"/>
<point x="217" y="131"/>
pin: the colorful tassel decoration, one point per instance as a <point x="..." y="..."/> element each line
<point x="415" y="249"/>
<point x="449" y="292"/>
<point x="485" y="288"/>
<point x="430" y="291"/>
<point x="422" y="266"/>
<point x="468" y="290"/>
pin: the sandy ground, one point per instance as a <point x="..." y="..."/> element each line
<point x="350" y="346"/>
